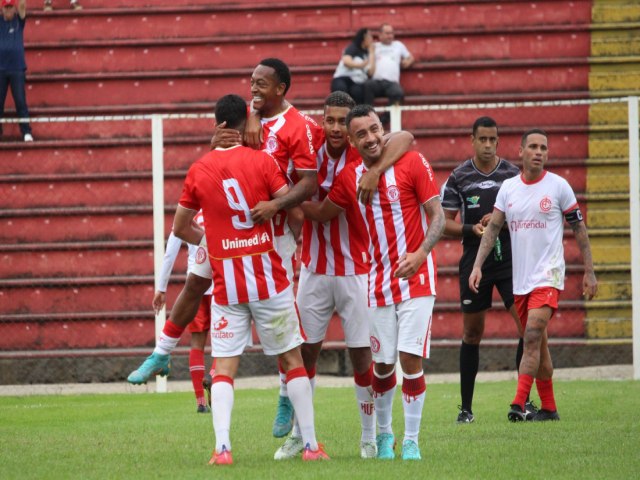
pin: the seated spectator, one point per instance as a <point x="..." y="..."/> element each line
<point x="74" y="4"/>
<point x="352" y="71"/>
<point x="12" y="61"/>
<point x="389" y="55"/>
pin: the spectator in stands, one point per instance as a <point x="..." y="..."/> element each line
<point x="12" y="61"/>
<point x="354" y="67"/>
<point x="74" y="4"/>
<point x="389" y="56"/>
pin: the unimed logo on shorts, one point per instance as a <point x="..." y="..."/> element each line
<point x="218" y="329"/>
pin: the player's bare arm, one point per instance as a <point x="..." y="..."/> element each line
<point x="395" y="146"/>
<point x="264" y="211"/>
<point x="185" y="228"/>
<point x="253" y="130"/>
<point x="486" y="245"/>
<point x="320" y="212"/>
<point x="225" y="137"/>
<point x="409" y="264"/>
<point x="589" y="282"/>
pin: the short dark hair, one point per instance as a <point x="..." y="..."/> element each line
<point x="231" y="109"/>
<point x="358" y="38"/>
<point x="362" y="110"/>
<point x="339" y="99"/>
<point x="523" y="140"/>
<point x="283" y="74"/>
<point x="486" y="122"/>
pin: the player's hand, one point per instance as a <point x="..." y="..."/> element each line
<point x="253" y="132"/>
<point x="478" y="229"/>
<point x="225" y="137"/>
<point x="410" y="263"/>
<point x="159" y="299"/>
<point x="367" y="186"/>
<point x="485" y="220"/>
<point x="474" y="279"/>
<point x="589" y="285"/>
<point x="263" y="212"/>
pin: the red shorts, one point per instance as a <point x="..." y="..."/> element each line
<point x="202" y="320"/>
<point x="537" y="298"/>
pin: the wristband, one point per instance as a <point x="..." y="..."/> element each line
<point x="467" y="230"/>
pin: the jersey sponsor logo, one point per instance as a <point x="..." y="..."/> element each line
<point x="427" y="166"/>
<point x="375" y="344"/>
<point x="545" y="204"/>
<point x="257" y="239"/>
<point x="218" y="329"/>
<point x="473" y="202"/>
<point x="271" y="145"/>
<point x="201" y="255"/>
<point x="393" y="194"/>
<point x="516" y="225"/>
<point x="310" y="138"/>
<point x="221" y="324"/>
<point x="487" y="184"/>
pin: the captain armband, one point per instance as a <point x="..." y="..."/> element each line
<point x="573" y="216"/>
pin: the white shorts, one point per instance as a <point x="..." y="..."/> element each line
<point x="276" y="321"/>
<point x="286" y="247"/>
<point x="320" y="295"/>
<point x="404" y="327"/>
<point x="202" y="265"/>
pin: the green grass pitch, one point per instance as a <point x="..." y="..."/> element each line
<point x="160" y="436"/>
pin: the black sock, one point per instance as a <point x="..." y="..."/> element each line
<point x="469" y="361"/>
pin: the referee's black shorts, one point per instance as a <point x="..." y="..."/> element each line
<point x="494" y="274"/>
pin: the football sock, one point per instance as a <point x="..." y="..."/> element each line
<point x="519" y="353"/>
<point x="295" y="431"/>
<point x="384" y="389"/>
<point x="413" y="394"/>
<point x="365" y="404"/>
<point x="169" y="338"/>
<point x="545" y="390"/>
<point x="522" y="392"/>
<point x="300" y="394"/>
<point x="222" y="393"/>
<point x="283" y="380"/>
<point x="469" y="361"/>
<point x="196" y="369"/>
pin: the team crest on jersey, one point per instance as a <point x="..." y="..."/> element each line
<point x="393" y="194"/>
<point x="375" y="344"/>
<point x="271" y="145"/>
<point x="473" y="202"/>
<point x="201" y="255"/>
<point x="545" y="204"/>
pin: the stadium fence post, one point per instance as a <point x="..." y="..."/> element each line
<point x="157" y="162"/>
<point x="634" y="210"/>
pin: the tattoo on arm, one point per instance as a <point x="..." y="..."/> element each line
<point x="486" y="244"/>
<point x="580" y="232"/>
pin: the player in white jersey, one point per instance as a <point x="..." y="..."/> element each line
<point x="201" y="324"/>
<point x="534" y="206"/>
<point x="333" y="275"/>
<point x="249" y="279"/>
<point x="404" y="222"/>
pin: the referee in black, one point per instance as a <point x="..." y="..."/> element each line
<point x="471" y="189"/>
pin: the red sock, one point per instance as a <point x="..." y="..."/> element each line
<point x="363" y="379"/>
<point x="414" y="387"/>
<point x="311" y="372"/>
<point x="280" y="369"/>
<point x="381" y="385"/>
<point x="172" y="330"/>
<point x="545" y="390"/>
<point x="524" y="387"/>
<point x="196" y="368"/>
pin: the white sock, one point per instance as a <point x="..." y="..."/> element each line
<point x="295" y="431"/>
<point x="222" y="395"/>
<point x="283" y="385"/>
<point x="412" y="411"/>
<point x="165" y="344"/>
<point x="301" y="397"/>
<point x="367" y="413"/>
<point x="383" y="403"/>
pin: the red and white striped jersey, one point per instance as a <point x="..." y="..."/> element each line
<point x="397" y="224"/>
<point x="226" y="184"/>
<point x="341" y="246"/>
<point x="293" y="139"/>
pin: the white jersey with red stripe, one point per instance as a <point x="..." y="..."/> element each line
<point x="396" y="223"/>
<point x="535" y="217"/>
<point x="292" y="138"/>
<point x="338" y="247"/>
<point x="226" y="184"/>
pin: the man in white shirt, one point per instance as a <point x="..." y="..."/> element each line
<point x="390" y="56"/>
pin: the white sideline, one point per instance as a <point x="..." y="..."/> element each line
<point x="605" y="372"/>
